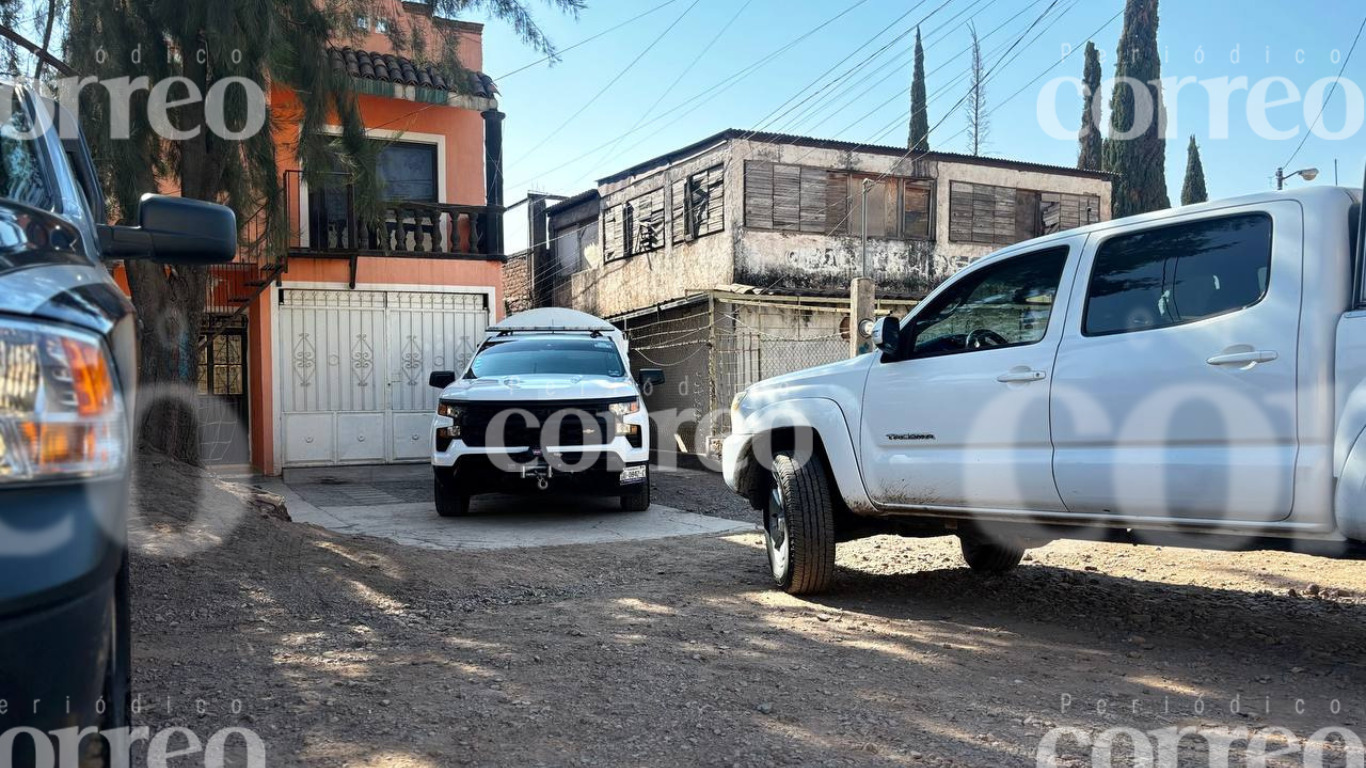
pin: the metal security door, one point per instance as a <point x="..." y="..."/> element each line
<point x="426" y="332"/>
<point x="353" y="369"/>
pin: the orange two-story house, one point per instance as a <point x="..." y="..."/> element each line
<point x="319" y="355"/>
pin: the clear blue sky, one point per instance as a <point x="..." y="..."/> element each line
<point x="540" y="99"/>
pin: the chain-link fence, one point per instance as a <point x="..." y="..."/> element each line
<point x="717" y="345"/>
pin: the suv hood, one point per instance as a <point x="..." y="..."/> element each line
<point x="548" y="387"/>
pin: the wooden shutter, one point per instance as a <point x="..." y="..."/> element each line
<point x="787" y="197"/>
<point x="813" y="200"/>
<point x="678" y="211"/>
<point x="1027" y="216"/>
<point x="612" y="229"/>
<point x="759" y="194"/>
<point x="837" y="203"/>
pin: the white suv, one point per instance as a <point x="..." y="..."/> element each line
<point x="546" y="402"/>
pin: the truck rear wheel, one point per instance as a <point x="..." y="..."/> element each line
<point x="799" y="526"/>
<point x="988" y="556"/>
<point x="449" y="501"/>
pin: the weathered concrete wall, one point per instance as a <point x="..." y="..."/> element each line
<point x="775" y="260"/>
<point x="678" y="269"/>
<point x="787" y="259"/>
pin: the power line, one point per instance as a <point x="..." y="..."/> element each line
<point x="585" y="41"/>
<point x="1004" y="60"/>
<point x="685" y="71"/>
<point x="1326" y="99"/>
<point x="614" y="80"/>
<point x="715" y="89"/>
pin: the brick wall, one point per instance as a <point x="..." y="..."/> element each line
<point x="517" y="284"/>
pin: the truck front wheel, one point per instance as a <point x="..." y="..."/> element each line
<point x="987" y="556"/>
<point x="637" y="499"/>
<point x="799" y="526"/>
<point x="449" y="501"/>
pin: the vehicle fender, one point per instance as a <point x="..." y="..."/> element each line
<point x="1349" y="500"/>
<point x="825" y="417"/>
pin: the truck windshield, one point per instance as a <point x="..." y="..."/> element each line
<point x="21" y="173"/>
<point x="525" y="357"/>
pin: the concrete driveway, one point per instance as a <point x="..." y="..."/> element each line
<point x="395" y="502"/>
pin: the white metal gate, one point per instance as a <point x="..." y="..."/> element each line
<point x="354" y="365"/>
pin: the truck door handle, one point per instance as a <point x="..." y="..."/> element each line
<point x="1244" y="358"/>
<point x="1028" y="375"/>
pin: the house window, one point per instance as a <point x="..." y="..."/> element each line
<point x="407" y="172"/>
<point x="699" y="204"/>
<point x="995" y="215"/>
<point x="800" y="199"/>
<point x="379" y="25"/>
<point x="643" y="223"/>
<point x="917" y="209"/>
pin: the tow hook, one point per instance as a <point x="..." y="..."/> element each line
<point x="542" y="483"/>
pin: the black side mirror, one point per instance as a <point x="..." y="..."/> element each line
<point x="650" y="377"/>
<point x="441" y="379"/>
<point x="175" y="230"/>
<point x="887" y="335"/>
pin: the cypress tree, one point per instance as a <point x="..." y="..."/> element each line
<point x="1138" y="161"/>
<point x="1089" y="157"/>
<point x="1193" y="190"/>
<point x="920" y="123"/>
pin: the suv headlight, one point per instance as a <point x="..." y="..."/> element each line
<point x="61" y="413"/>
<point x="620" y="411"/>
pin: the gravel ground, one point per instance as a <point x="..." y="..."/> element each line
<point x="348" y="651"/>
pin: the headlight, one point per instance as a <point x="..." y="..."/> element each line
<point x="454" y="413"/>
<point x="61" y="414"/>
<point x="621" y="411"/>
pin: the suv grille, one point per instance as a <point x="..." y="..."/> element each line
<point x="475" y="427"/>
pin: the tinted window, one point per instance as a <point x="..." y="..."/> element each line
<point x="1179" y="274"/>
<point x="526" y="357"/>
<point x="21" y="173"/>
<point x="1003" y="305"/>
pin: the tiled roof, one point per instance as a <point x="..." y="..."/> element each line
<point x="388" y="68"/>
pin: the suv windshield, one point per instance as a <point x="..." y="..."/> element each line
<point x="21" y="174"/>
<point x="524" y="357"/>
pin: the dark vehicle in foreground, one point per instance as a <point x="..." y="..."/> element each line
<point x="68" y="380"/>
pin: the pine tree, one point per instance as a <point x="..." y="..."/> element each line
<point x="1089" y="158"/>
<point x="1193" y="189"/>
<point x="920" y="123"/>
<point x="283" y="43"/>
<point x="1139" y="161"/>
<point x="979" y="121"/>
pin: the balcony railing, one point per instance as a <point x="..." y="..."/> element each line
<point x="324" y="222"/>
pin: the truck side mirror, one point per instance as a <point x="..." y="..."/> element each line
<point x="650" y="377"/>
<point x="441" y="379"/>
<point x="887" y="335"/>
<point x="175" y="230"/>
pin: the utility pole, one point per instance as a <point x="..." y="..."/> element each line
<point x="861" y="299"/>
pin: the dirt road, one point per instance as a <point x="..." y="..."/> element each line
<point x="351" y="651"/>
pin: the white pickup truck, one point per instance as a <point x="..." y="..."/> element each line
<point x="1194" y="377"/>
<point x="547" y="402"/>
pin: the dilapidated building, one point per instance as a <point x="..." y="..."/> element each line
<point x="729" y="260"/>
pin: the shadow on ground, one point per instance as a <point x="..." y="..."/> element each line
<point x="355" y="651"/>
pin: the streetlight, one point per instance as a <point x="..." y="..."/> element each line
<point x="1309" y="174"/>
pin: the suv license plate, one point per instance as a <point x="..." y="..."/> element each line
<point x="633" y="474"/>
